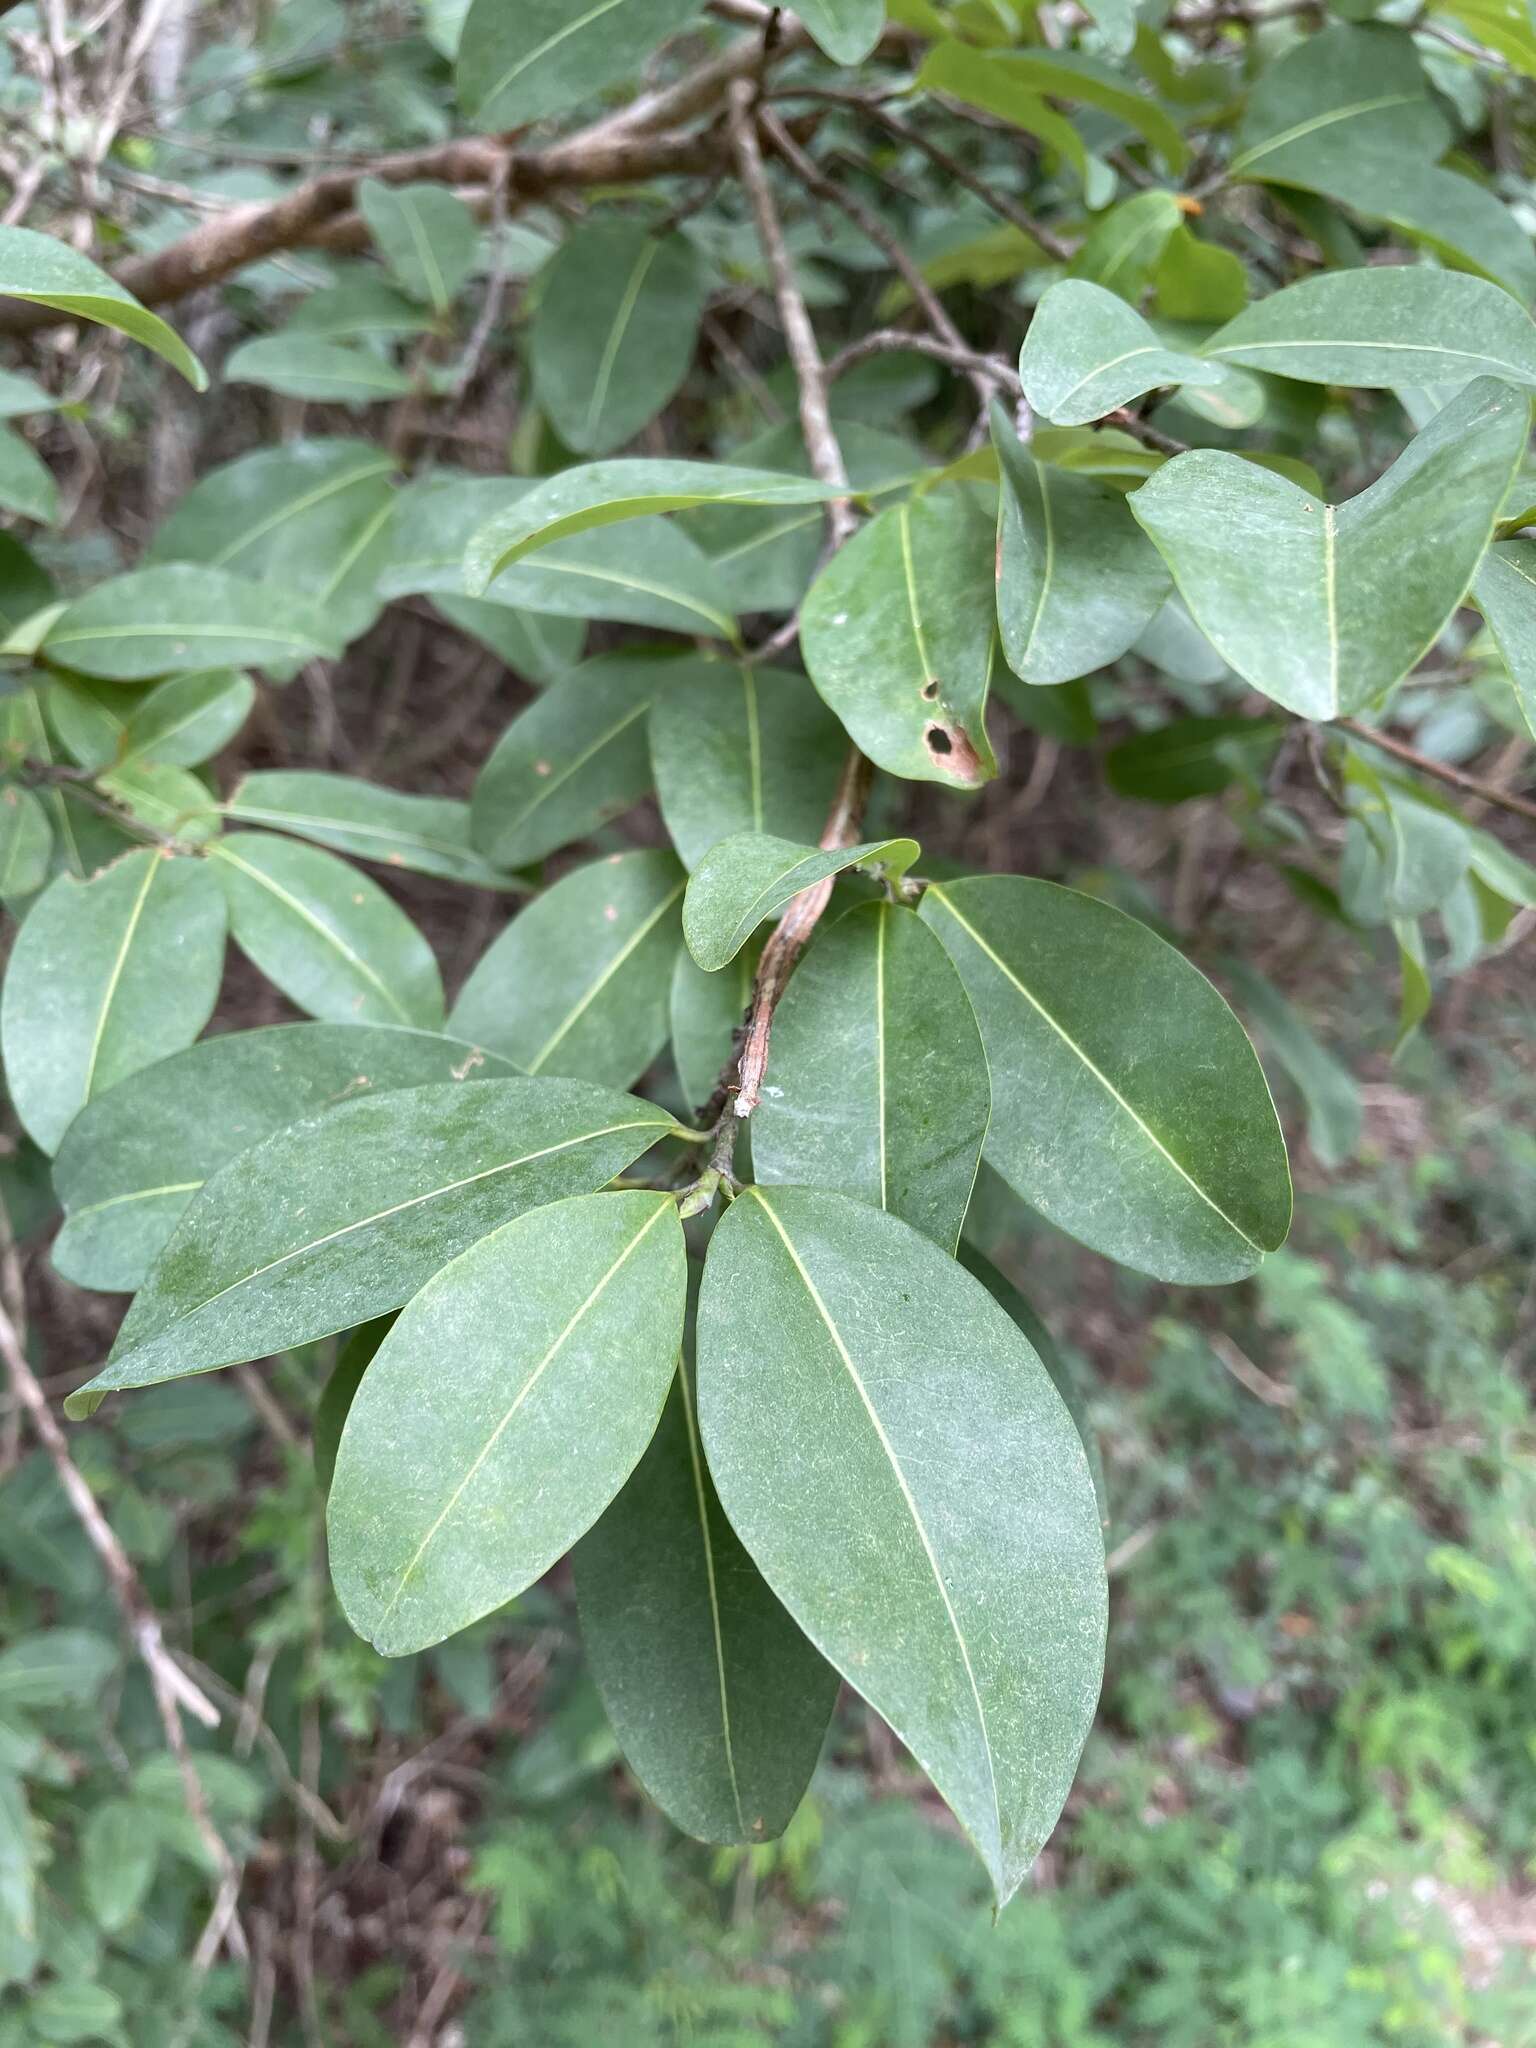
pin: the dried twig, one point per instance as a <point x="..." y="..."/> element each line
<point x="1442" y="771"/>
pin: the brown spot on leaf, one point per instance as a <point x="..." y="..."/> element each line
<point x="949" y="749"/>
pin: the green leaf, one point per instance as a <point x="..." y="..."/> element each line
<point x="975" y="77"/>
<point x="898" y="636"/>
<point x="358" y="306"/>
<point x="26" y="482"/>
<point x="749" y="876"/>
<point x="105" y="977"/>
<point x="1191" y="757"/>
<point x="455" y="1489"/>
<point x="1384" y="327"/>
<point x="649" y="575"/>
<point x="541" y="57"/>
<point x="312" y="516"/>
<point x="880" y="1082"/>
<point x="768" y="558"/>
<point x="875" y="1468"/>
<point x="1001" y="80"/>
<point x="537" y="647"/>
<point x="74" y="2011"/>
<point x="1323" y="607"/>
<point x="1348" y="114"/>
<point x="706" y="1010"/>
<point x="55" y="1667"/>
<point x="1327" y="1088"/>
<point x="134" y="1157"/>
<point x="179" y="617"/>
<point x="1505" y="594"/>
<point x="427" y="236"/>
<point x="1422" y="852"/>
<point x="20" y="396"/>
<point x="25" y="585"/>
<point x="1124" y="245"/>
<point x="1077" y="579"/>
<point x="604" y="493"/>
<point x="322" y="372"/>
<point x="177" y="724"/>
<point x="719" y="1702"/>
<point x="577" y="983"/>
<point x="325" y="934"/>
<point x="847" y="30"/>
<point x="1142" y="1127"/>
<point x="118" y="1854"/>
<point x="1198" y="281"/>
<point x="45" y="272"/>
<point x="1087" y="353"/>
<point x="1501" y="25"/>
<point x="26" y="842"/>
<point x="429" y="834"/>
<point x="353" y="1357"/>
<point x="615" y="330"/>
<point x="345" y="1215"/>
<point x="743" y="749"/>
<point x="572" y="760"/>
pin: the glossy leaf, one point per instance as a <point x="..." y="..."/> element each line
<point x="1003" y="79"/>
<point x="916" y="1497"/>
<point x="743" y="749"/>
<point x="847" y="30"/>
<point x="606" y="493"/>
<point x="455" y="1487"/>
<point x="1143" y="1128"/>
<point x="313" y="516"/>
<point x="898" y="636"/>
<point x="615" y="330"/>
<point x="1347" y="113"/>
<point x="1505" y="594"/>
<point x="1077" y="580"/>
<point x="572" y="760"/>
<point x="345" y="1215"/>
<point x="749" y="876"/>
<point x="648" y="575"/>
<point x="326" y="934"/>
<point x="1087" y="352"/>
<point x="134" y="1157"/>
<point x="427" y="236"/>
<point x="105" y="977"/>
<point x="26" y="482"/>
<point x="26" y="842"/>
<point x="719" y="1702"/>
<point x="1383" y="327"/>
<point x="524" y="63"/>
<point x="427" y="833"/>
<point x="324" y="372"/>
<point x="880" y="1085"/>
<point x="48" y="272"/>
<point x="578" y="982"/>
<point x="1124" y="245"/>
<point x="179" y="617"/>
<point x="1323" y="607"/>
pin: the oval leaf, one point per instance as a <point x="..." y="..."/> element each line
<point x="1323" y="607"/>
<point x="1088" y="352"/>
<point x="898" y="636"/>
<point x="1143" y="1128"/>
<point x="345" y="1215"/>
<point x="427" y="833"/>
<point x="455" y="1487"/>
<point x="751" y="875"/>
<point x="181" y="616"/>
<point x="135" y="1156"/>
<point x="326" y="935"/>
<point x="45" y="272"/>
<point x="106" y="977"/>
<point x="540" y="57"/>
<point x="719" y="1702"/>
<point x="880" y="1083"/>
<point x="578" y="983"/>
<point x="876" y="1469"/>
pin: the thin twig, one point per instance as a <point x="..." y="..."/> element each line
<point x="895" y="340"/>
<point x="1442" y="771"/>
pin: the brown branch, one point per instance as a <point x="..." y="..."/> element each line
<point x="874" y="229"/>
<point x="1442" y="771"/>
<point x="821" y="443"/>
<point x="174" y="1692"/>
<point x="894" y="340"/>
